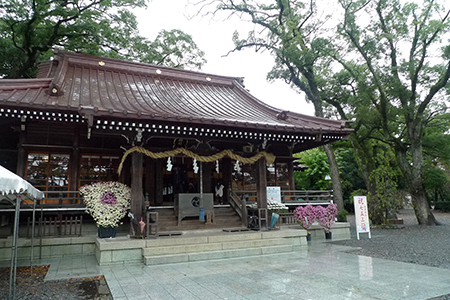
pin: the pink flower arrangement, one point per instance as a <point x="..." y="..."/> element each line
<point x="326" y="216"/>
<point x="109" y="198"/>
<point x="305" y="215"/>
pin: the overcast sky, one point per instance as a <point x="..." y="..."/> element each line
<point x="214" y="38"/>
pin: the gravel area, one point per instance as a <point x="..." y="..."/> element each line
<point x="35" y="288"/>
<point x="410" y="242"/>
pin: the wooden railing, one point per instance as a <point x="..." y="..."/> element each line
<point x="239" y="199"/>
<point x="293" y="197"/>
<point x="239" y="204"/>
<point x="55" y="226"/>
<point x="307" y="197"/>
<point x="61" y="198"/>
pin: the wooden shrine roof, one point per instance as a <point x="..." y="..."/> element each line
<point x="101" y="87"/>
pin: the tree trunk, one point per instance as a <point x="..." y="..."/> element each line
<point x="413" y="175"/>
<point x="336" y="180"/>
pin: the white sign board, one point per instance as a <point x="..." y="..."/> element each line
<point x="361" y="215"/>
<point x="274" y="194"/>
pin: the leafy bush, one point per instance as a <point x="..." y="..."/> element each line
<point x="342" y="215"/>
<point x="442" y="206"/>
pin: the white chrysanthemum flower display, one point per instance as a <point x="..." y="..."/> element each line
<point x="107" y="202"/>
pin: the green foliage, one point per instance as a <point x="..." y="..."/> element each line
<point x="342" y="215"/>
<point x="443" y="206"/>
<point x="387" y="75"/>
<point x="313" y="178"/>
<point x="386" y="197"/>
<point x="29" y="30"/>
<point x="349" y="170"/>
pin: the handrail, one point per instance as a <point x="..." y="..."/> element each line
<point x="239" y="204"/>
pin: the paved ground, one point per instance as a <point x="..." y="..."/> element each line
<point x="319" y="271"/>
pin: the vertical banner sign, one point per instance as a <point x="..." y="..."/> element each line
<point x="361" y="215"/>
<point x="274" y="194"/>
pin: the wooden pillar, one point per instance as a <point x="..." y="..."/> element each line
<point x="226" y="178"/>
<point x="22" y="155"/>
<point x="150" y="187"/>
<point x="291" y="174"/>
<point x="159" y="178"/>
<point x="207" y="188"/>
<point x="125" y="174"/>
<point x="137" y="203"/>
<point x="261" y="183"/>
<point x="75" y="158"/>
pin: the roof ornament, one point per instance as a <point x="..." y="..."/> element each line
<point x="283" y="115"/>
<point x="54" y="90"/>
<point x="101" y="63"/>
<point x="90" y="124"/>
<point x="139" y="136"/>
<point x="264" y="144"/>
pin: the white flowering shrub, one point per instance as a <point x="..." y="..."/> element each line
<point x="277" y="207"/>
<point x="107" y="202"/>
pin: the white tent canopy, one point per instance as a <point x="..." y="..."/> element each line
<point x="11" y="184"/>
<point x="13" y="188"/>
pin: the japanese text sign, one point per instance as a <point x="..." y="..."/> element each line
<point x="361" y="215"/>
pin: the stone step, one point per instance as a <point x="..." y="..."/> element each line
<point x="210" y="255"/>
<point x="206" y="247"/>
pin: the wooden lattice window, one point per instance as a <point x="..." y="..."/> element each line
<point x="94" y="168"/>
<point x="48" y="171"/>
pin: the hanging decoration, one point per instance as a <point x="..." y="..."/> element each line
<point x="195" y="167"/>
<point x="217" y="167"/>
<point x="270" y="158"/>
<point x="169" y="164"/>
<point x="237" y="167"/>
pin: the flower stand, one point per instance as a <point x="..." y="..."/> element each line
<point x="328" y="235"/>
<point x="107" y="232"/>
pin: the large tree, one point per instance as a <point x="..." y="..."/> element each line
<point x="290" y="30"/>
<point x="30" y="29"/>
<point x="402" y="60"/>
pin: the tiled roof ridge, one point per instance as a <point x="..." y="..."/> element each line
<point x="123" y="66"/>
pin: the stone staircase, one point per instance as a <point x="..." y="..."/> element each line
<point x="221" y="245"/>
<point x="199" y="245"/>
